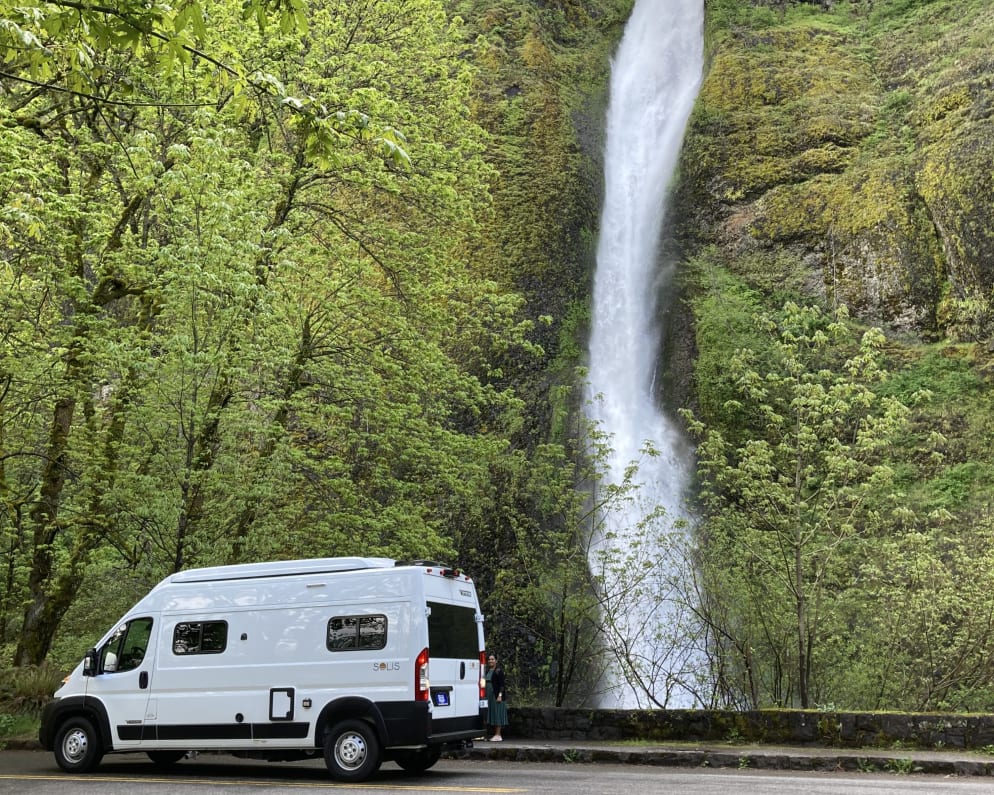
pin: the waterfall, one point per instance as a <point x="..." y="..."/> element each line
<point x="655" y="77"/>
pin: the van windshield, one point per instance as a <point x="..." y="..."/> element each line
<point x="452" y="632"/>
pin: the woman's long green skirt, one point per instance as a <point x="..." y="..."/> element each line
<point x="496" y="710"/>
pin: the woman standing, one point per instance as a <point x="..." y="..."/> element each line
<point x="496" y="705"/>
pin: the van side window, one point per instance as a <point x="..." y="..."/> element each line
<point x="125" y="649"/>
<point x="200" y="637"/>
<point x="349" y="633"/>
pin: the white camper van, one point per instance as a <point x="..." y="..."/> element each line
<point x="359" y="659"/>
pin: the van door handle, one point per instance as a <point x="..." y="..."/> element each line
<point x="143" y="680"/>
<point x="462" y="670"/>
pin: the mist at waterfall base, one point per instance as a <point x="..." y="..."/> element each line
<point x="655" y="77"/>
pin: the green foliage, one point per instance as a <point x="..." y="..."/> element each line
<point x="954" y="423"/>
<point x="865" y="765"/>
<point x="792" y="503"/>
<point x="223" y="341"/>
<point x="15" y="726"/>
<point x="24" y="692"/>
<point x="945" y="372"/>
<point x="724" y="309"/>
<point x="955" y="485"/>
<point x="928" y="589"/>
<point x="855" y="178"/>
<point x="896" y="575"/>
<point x="903" y="767"/>
<point x="72" y="50"/>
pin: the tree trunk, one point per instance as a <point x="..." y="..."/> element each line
<point x="45" y="614"/>
<point x="803" y="647"/>
<point x="37" y="627"/>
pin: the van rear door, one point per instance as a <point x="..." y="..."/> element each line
<point x="454" y="668"/>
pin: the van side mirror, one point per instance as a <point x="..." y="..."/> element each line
<point x="90" y="663"/>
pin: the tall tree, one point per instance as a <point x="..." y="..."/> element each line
<point x="791" y="511"/>
<point x="242" y="328"/>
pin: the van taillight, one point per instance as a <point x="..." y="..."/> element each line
<point x="421" y="676"/>
<point x="483" y="681"/>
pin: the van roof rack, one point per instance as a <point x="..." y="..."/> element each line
<point x="280" y="568"/>
<point x="443" y="568"/>
<point x="437" y="564"/>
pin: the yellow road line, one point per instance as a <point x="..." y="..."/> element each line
<point x="281" y="783"/>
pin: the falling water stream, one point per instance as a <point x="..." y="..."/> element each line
<point x="654" y="82"/>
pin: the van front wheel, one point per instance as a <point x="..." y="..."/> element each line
<point x="77" y="746"/>
<point x="351" y="751"/>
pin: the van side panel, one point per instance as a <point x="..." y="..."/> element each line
<point x="276" y="672"/>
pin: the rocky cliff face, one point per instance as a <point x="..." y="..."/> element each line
<point x="848" y="153"/>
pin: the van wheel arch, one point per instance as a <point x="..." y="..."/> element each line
<point x="91" y="709"/>
<point x="351" y="708"/>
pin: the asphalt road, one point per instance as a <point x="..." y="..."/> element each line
<point x="35" y="773"/>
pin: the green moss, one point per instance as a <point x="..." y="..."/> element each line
<point x="860" y="134"/>
<point x="769" y="110"/>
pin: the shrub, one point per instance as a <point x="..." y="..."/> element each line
<point x="26" y="690"/>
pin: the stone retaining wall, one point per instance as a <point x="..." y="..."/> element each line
<point x="783" y="727"/>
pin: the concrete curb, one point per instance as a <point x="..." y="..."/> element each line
<point x="779" y="758"/>
<point x="936" y="763"/>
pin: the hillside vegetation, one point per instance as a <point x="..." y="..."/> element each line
<point x="284" y="279"/>
<point x="840" y="155"/>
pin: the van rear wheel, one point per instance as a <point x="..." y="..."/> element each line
<point x="351" y="751"/>
<point x="77" y="746"/>
<point x="166" y="758"/>
<point x="418" y="761"/>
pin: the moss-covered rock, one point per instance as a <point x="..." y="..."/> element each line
<point x="857" y="138"/>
